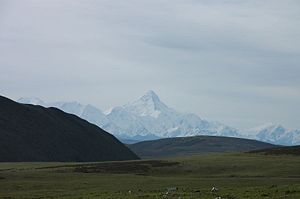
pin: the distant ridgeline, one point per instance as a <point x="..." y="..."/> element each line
<point x="183" y="146"/>
<point x="35" y="133"/>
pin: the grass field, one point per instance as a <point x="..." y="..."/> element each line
<point x="235" y="175"/>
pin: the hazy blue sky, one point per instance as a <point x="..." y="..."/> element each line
<point x="237" y="62"/>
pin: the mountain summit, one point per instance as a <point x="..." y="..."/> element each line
<point x="148" y="117"/>
<point x="31" y="100"/>
<point x="150" y="95"/>
<point x="148" y="105"/>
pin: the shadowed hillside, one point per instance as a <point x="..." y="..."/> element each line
<point x="182" y="146"/>
<point x="35" y="133"/>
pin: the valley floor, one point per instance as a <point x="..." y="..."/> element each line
<point x="235" y="175"/>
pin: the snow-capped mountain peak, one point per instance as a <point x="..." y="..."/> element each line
<point x="31" y="100"/>
<point x="73" y="107"/>
<point x="274" y="133"/>
<point x="147" y="105"/>
<point x="148" y="115"/>
<point x="87" y="112"/>
<point x="269" y="126"/>
<point x="150" y="96"/>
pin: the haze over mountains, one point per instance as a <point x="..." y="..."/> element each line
<point x="149" y="118"/>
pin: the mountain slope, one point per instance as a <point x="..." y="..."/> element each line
<point x="182" y="146"/>
<point x="35" y="133"/>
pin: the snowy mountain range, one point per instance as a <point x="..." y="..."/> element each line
<point x="87" y="112"/>
<point x="149" y="118"/>
<point x="274" y="133"/>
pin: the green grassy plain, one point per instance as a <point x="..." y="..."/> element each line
<point x="236" y="176"/>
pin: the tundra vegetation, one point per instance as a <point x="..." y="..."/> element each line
<point x="240" y="175"/>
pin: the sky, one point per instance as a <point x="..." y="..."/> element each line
<point x="236" y="62"/>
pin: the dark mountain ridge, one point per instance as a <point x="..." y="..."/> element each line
<point x="34" y="133"/>
<point x="183" y="146"/>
